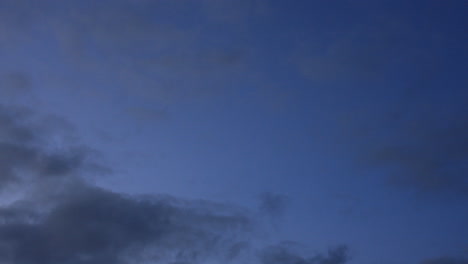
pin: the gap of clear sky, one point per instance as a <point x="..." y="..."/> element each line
<point x="233" y="131"/>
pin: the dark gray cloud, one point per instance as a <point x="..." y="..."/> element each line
<point x="65" y="220"/>
<point x="92" y="225"/>
<point x="445" y="260"/>
<point x="26" y="153"/>
<point x="58" y="217"/>
<point x="13" y="127"/>
<point x="282" y="254"/>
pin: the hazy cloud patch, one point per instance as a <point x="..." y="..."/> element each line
<point x="273" y="204"/>
<point x="15" y="84"/>
<point x="133" y="44"/>
<point x="429" y="156"/>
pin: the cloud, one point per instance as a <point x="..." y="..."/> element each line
<point x="64" y="219"/>
<point x="58" y="217"/>
<point x="282" y="254"/>
<point x="399" y="119"/>
<point x="428" y="155"/>
<point x="134" y="44"/>
<point x="385" y="45"/>
<point x="26" y="154"/>
<point x="15" y="83"/>
<point x="93" y="225"/>
<point x="273" y="204"/>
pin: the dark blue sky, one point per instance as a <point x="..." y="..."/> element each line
<point x="326" y="123"/>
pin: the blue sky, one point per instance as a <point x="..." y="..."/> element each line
<point x="328" y="122"/>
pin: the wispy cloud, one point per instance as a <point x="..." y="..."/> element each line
<point x="134" y="46"/>
<point x="429" y="155"/>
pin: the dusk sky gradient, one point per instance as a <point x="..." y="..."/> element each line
<point x="233" y="131"/>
